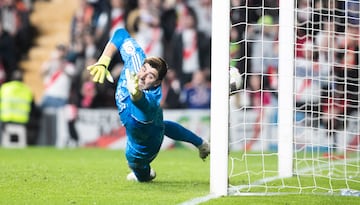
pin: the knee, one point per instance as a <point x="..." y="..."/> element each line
<point x="142" y="172"/>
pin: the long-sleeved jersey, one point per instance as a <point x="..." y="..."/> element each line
<point x="143" y="119"/>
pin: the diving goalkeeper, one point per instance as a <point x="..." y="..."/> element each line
<point x="138" y="95"/>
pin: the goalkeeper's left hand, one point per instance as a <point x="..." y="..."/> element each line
<point x="100" y="70"/>
<point x="133" y="85"/>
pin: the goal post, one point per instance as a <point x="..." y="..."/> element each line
<point x="285" y="88"/>
<point x="293" y="126"/>
<point x="219" y="98"/>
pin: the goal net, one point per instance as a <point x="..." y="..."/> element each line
<point x="294" y="124"/>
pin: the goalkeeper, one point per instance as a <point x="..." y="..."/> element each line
<point x="138" y="95"/>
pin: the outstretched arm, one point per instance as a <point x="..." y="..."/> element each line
<point x="119" y="39"/>
<point x="109" y="50"/>
<point x="131" y="52"/>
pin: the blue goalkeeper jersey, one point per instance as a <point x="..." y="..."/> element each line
<point x="142" y="119"/>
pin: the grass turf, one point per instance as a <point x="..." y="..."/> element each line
<point x="45" y="175"/>
<point x="96" y="176"/>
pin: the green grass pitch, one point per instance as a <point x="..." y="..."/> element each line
<point x="46" y="175"/>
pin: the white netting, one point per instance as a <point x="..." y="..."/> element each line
<point x="326" y="124"/>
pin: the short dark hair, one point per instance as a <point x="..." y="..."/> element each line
<point x="159" y="64"/>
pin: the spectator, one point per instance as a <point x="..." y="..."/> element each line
<point x="88" y="90"/>
<point x="112" y="17"/>
<point x="353" y="9"/>
<point x="191" y="49"/>
<point x="203" y="9"/>
<point x="171" y="91"/>
<point x="333" y="108"/>
<point x="82" y="19"/>
<point x="307" y="85"/>
<point x="143" y="21"/>
<point x="152" y="44"/>
<point x="16" y="21"/>
<point x="173" y="12"/>
<point x="57" y="74"/>
<point x="235" y="47"/>
<point x="16" y="104"/>
<point x="197" y="93"/>
<point x="259" y="97"/>
<point x="304" y="13"/>
<point x="93" y="22"/>
<point x="7" y="53"/>
<point x="346" y="70"/>
<point x="89" y="45"/>
<point x="76" y="53"/>
<point x="326" y="40"/>
<point x="262" y="49"/>
<point x="71" y="113"/>
<point x="238" y="17"/>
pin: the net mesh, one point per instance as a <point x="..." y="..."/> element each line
<point x="326" y="124"/>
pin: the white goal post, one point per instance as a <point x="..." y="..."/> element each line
<point x="219" y="97"/>
<point x="285" y="88"/>
<point x="293" y="127"/>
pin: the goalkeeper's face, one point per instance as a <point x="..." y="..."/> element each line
<point x="148" y="77"/>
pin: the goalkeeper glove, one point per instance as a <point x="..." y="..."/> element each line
<point x="100" y="70"/>
<point x="133" y="85"/>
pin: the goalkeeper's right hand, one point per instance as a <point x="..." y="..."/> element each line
<point x="100" y="70"/>
<point x="133" y="85"/>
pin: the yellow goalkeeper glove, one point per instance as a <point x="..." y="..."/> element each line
<point x="133" y="85"/>
<point x="100" y="70"/>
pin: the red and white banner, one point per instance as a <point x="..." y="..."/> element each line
<point x="102" y="127"/>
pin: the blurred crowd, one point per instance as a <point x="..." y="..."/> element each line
<point x="177" y="30"/>
<point x="326" y="52"/>
<point x="180" y="32"/>
<point x="326" y="57"/>
<point x="16" y="35"/>
<point x="17" y="105"/>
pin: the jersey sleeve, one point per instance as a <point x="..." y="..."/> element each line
<point x="130" y="51"/>
<point x="146" y="109"/>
